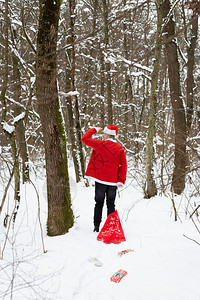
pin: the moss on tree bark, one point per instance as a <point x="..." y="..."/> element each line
<point x="60" y="215"/>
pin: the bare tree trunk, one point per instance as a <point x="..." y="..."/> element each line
<point x="178" y="179"/>
<point x="102" y="80"/>
<point x="129" y="99"/>
<point x="5" y="56"/>
<point x="60" y="215"/>
<point x="128" y="95"/>
<point x="76" y="112"/>
<point x="20" y="128"/>
<point x="107" y="63"/>
<point x="70" y="121"/>
<point x="163" y="87"/>
<point x="10" y="133"/>
<point x="15" y="156"/>
<point x="151" y="186"/>
<point x="190" y="71"/>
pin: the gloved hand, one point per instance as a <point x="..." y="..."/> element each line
<point x="98" y="129"/>
<point x="119" y="185"/>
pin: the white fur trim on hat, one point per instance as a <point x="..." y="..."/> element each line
<point x="111" y="130"/>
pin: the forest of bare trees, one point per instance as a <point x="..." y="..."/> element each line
<point x="70" y="65"/>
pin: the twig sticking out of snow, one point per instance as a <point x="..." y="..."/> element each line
<point x="191" y="239"/>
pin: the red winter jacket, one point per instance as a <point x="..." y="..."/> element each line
<point x="108" y="160"/>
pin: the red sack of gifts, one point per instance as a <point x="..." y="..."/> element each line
<point x="112" y="231"/>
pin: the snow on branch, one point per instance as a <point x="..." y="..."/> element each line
<point x="11" y="128"/>
<point x="8" y="128"/>
<point x="197" y="137"/>
<point x="139" y="66"/>
<point x="15" y="102"/>
<point x="69" y="94"/>
<point x="145" y="68"/>
<point x="19" y="118"/>
<point x="16" y="53"/>
<point x="16" y="22"/>
<point x="170" y="13"/>
<point x="137" y="74"/>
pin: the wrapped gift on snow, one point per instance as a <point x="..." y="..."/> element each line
<point x="118" y="276"/>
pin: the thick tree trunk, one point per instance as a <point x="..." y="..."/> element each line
<point x="60" y="215"/>
<point x="178" y="179"/>
<point x="151" y="186"/>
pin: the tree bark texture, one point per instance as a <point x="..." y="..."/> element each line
<point x="20" y="126"/>
<point x="107" y="63"/>
<point x="102" y="87"/>
<point x="60" y="215"/>
<point x="178" y="179"/>
<point x="128" y="95"/>
<point x="11" y="136"/>
<point x="151" y="186"/>
<point x="5" y="67"/>
<point x="70" y="119"/>
<point x="190" y="72"/>
<point x="15" y="155"/>
<point x="73" y="88"/>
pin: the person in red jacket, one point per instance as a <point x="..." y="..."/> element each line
<point x="107" y="166"/>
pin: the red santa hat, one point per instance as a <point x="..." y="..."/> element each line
<point x="111" y="130"/>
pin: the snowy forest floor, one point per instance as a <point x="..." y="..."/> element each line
<point x="164" y="265"/>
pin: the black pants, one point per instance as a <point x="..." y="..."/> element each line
<point x="102" y="190"/>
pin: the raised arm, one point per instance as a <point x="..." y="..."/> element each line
<point x="87" y="140"/>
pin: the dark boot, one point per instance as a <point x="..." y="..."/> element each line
<point x="96" y="229"/>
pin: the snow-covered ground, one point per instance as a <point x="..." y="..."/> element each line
<point x="164" y="265"/>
